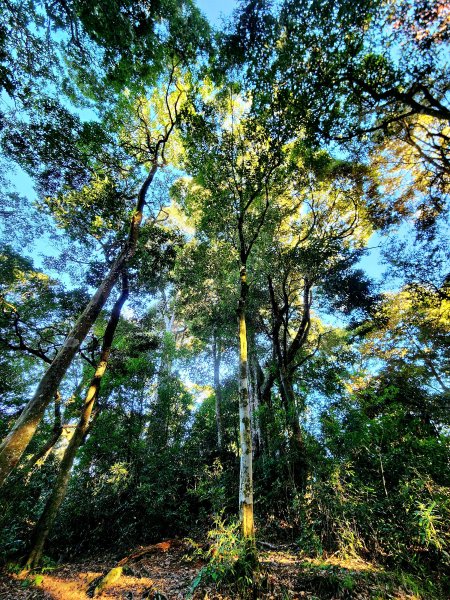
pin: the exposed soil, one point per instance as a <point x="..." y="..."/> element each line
<point x="165" y="571"/>
<point x="162" y="570"/>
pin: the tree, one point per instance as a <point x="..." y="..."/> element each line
<point x="47" y="518"/>
<point x="152" y="154"/>
<point x="235" y="163"/>
<point x="178" y="43"/>
<point x="206" y="296"/>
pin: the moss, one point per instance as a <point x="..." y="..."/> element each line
<point x="110" y="578"/>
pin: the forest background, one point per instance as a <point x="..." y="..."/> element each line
<point x="194" y="327"/>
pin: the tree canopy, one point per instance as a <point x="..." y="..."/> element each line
<point x="196" y="342"/>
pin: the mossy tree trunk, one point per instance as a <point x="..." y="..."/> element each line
<point x="44" y="525"/>
<point x="41" y="455"/>
<point x="285" y="363"/>
<point x="18" y="438"/>
<point x="245" y="430"/>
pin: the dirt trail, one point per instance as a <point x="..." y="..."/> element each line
<point x="163" y="572"/>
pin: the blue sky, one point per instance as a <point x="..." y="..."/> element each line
<point x="215" y="9"/>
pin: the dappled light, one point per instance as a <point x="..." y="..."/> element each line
<point x="225" y="299"/>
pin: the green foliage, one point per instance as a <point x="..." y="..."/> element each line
<point x="36" y="580"/>
<point x="210" y="486"/>
<point x="429" y="524"/>
<point x="311" y="124"/>
<point x="230" y="564"/>
<point x="23" y="499"/>
<point x="373" y="498"/>
<point x="353" y="579"/>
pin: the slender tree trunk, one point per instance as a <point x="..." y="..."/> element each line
<point x="266" y="388"/>
<point x="253" y="410"/>
<point x="42" y="453"/>
<point x="257" y="378"/>
<point x="245" y="431"/>
<point x="297" y="443"/>
<point x="47" y="518"/>
<point x="217" y="355"/>
<point x="17" y="440"/>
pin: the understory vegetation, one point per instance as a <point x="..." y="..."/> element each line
<point x="225" y="296"/>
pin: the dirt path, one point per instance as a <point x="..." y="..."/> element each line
<point x="164" y="572"/>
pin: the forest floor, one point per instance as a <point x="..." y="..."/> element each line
<point x="166" y="571"/>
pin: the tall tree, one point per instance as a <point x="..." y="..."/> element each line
<point x="206" y="296"/>
<point x="235" y="162"/>
<point x="149" y="150"/>
<point x="55" y="499"/>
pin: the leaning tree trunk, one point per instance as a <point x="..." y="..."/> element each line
<point x="47" y="518"/>
<point x="217" y="355"/>
<point x="17" y="440"/>
<point x="245" y="430"/>
<point x="41" y="455"/>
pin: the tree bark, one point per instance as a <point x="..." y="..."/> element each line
<point x="42" y="453"/>
<point x="217" y="355"/>
<point x="17" y="440"/>
<point x="57" y="496"/>
<point x="245" y="432"/>
<point x="257" y="378"/>
<point x="296" y="442"/>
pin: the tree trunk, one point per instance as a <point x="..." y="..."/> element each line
<point x="245" y="432"/>
<point x="47" y="518"/>
<point x="17" y="440"/>
<point x="41" y="455"/>
<point x="296" y="442"/>
<point x="257" y="377"/>
<point x="218" y="392"/>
